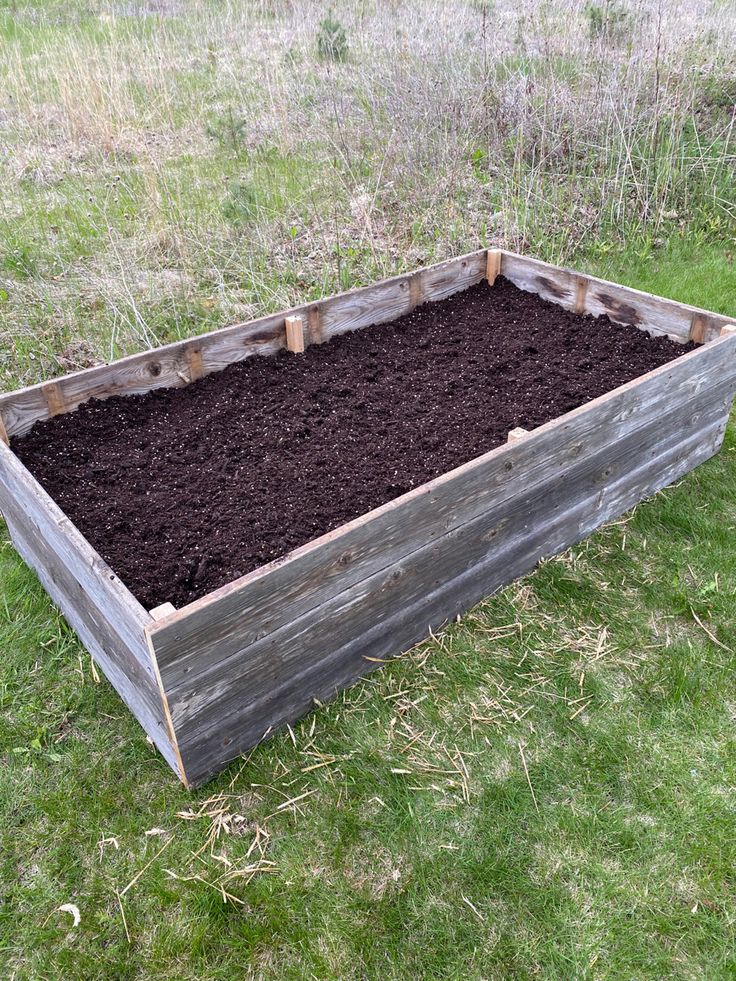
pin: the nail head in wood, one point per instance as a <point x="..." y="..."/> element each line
<point x="159" y="612"/>
<point x="294" y="334"/>
<point x="493" y="265"/>
<point x="516" y="434"/>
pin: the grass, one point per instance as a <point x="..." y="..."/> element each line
<point x="545" y="789"/>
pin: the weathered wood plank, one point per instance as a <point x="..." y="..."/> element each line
<point x="20" y="490"/>
<point x="179" y="363"/>
<point x="439" y="282"/>
<point x="110" y="651"/>
<point x="493" y="528"/>
<point x="621" y="303"/>
<point x="174" y="365"/>
<point x="164" y="367"/>
<point x="241" y="612"/>
<point x="108" y="618"/>
<point x="294" y="334"/>
<point x="230" y="725"/>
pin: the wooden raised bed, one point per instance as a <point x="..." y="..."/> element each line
<point x="212" y="679"/>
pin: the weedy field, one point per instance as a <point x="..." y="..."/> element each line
<point x="546" y="789"/>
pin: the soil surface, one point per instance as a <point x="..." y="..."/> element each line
<point x="184" y="489"/>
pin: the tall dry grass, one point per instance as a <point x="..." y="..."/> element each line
<point x="170" y="166"/>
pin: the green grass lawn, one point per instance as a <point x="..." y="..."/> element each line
<point x="543" y="790"/>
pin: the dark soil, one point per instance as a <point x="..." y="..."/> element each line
<point x="184" y="489"/>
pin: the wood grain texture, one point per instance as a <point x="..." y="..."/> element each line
<point x="393" y="298"/>
<point x="228" y="661"/>
<point x="287" y="674"/>
<point x="54" y="398"/>
<point x="107" y="617"/>
<point x="242" y="611"/>
<point x="314" y="324"/>
<point x="98" y="634"/>
<point x="622" y="304"/>
<point x="294" y="334"/>
<point x="179" y="363"/>
<point x="165" y="367"/>
<point x="416" y="296"/>
<point x="493" y="265"/>
<point x="194" y="361"/>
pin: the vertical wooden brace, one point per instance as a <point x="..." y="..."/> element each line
<point x="194" y="362"/>
<point x="416" y="294"/>
<point x="516" y="434"/>
<point x="294" y="335"/>
<point x="54" y="398"/>
<point x="315" y="324"/>
<point x="728" y="329"/>
<point x="581" y="292"/>
<point x="698" y="328"/>
<point x="493" y="265"/>
<point x="4" y="432"/>
<point x="159" y="612"/>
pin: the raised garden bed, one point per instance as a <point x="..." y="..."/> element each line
<point x="309" y="512"/>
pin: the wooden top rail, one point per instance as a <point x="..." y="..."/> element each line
<point x="185" y="361"/>
<point x="182" y="362"/>
<point x="623" y="304"/>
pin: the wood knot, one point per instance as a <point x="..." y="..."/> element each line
<point x="623" y="313"/>
<point x="552" y="287"/>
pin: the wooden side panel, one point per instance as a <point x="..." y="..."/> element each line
<point x="171" y="366"/>
<point x="99" y="637"/>
<point x="394" y="297"/>
<point x="587" y="294"/>
<point x="229" y="729"/>
<point x="185" y="361"/>
<point x="224" y="697"/>
<point x="247" y="609"/>
<point x="180" y="363"/>
<point x="106" y="616"/>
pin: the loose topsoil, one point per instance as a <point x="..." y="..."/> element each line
<point x="184" y="489"/>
